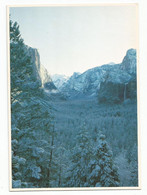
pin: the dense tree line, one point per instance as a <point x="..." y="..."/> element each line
<point x="117" y="122"/>
<point x="92" y="162"/>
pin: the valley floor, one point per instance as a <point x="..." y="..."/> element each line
<point x="117" y="122"/>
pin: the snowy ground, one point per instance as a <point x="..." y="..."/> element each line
<point x="117" y="122"/>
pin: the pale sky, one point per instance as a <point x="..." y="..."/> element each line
<point x="74" y="39"/>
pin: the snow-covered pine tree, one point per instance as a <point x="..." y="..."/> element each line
<point x="102" y="172"/>
<point x="21" y="69"/>
<point x="80" y="157"/>
<point x="59" y="165"/>
<point x="30" y="116"/>
<point x="17" y="161"/>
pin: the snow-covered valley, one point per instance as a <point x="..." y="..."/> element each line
<point x="117" y="122"/>
<point x="73" y="132"/>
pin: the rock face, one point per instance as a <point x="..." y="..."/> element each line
<point x="119" y="90"/>
<point x="131" y="89"/>
<point x="129" y="62"/>
<point x="111" y="83"/>
<point x="40" y="72"/>
<point x="111" y="92"/>
<point x="86" y="84"/>
<point x="59" y="80"/>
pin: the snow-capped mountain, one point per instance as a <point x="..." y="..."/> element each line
<point x="59" y="80"/>
<point x="95" y="82"/>
<point x="88" y="83"/>
<point x="83" y="84"/>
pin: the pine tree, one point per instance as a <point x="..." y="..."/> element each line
<point x="103" y="173"/>
<point x="21" y="69"/>
<point x="59" y="164"/>
<point x="31" y="119"/>
<point x="78" y="172"/>
<point x="17" y="161"/>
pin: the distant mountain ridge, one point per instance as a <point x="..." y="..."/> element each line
<point x="88" y="84"/>
<point x="108" y="82"/>
<point x="59" y="80"/>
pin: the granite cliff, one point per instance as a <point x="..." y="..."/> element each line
<point x="111" y="83"/>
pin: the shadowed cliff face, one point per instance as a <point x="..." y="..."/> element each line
<point x="115" y="91"/>
<point x="111" y="92"/>
<point x="40" y="71"/>
<point x="131" y="89"/>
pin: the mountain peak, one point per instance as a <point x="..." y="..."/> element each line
<point x="131" y="52"/>
<point x="129" y="62"/>
<point x="59" y="79"/>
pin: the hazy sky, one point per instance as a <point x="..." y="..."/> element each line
<point x="74" y="39"/>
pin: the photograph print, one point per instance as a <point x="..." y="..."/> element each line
<point x="73" y="97"/>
